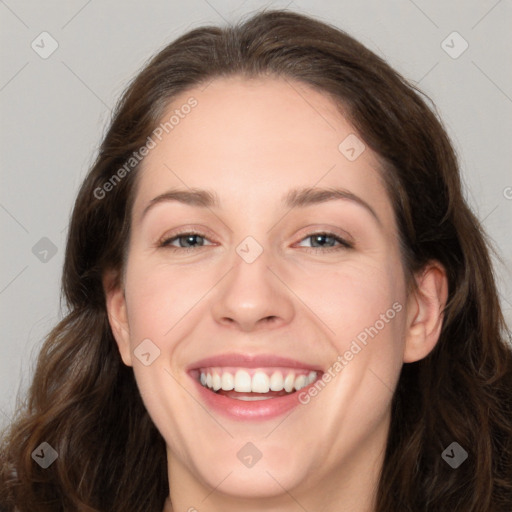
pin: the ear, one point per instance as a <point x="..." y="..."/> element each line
<point x="425" y="312"/>
<point x="117" y="314"/>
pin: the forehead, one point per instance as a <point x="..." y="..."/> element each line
<point x="251" y="140"/>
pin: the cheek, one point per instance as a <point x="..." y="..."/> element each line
<point x="354" y="297"/>
<point x="158" y="296"/>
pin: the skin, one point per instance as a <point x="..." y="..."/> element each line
<point x="250" y="141"/>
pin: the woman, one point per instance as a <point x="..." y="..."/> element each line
<point x="251" y="371"/>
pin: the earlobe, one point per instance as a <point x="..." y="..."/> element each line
<point x="425" y="312"/>
<point x="118" y="316"/>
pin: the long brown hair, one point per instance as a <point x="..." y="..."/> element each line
<point x="84" y="401"/>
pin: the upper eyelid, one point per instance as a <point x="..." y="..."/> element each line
<point x="342" y="240"/>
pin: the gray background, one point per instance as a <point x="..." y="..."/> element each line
<point x="55" y="110"/>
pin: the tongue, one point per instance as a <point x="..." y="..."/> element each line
<point x="236" y="394"/>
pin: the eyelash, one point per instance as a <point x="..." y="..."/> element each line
<point x="343" y="244"/>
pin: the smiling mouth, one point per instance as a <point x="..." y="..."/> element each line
<point x="251" y="384"/>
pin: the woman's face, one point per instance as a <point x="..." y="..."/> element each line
<point x="274" y="287"/>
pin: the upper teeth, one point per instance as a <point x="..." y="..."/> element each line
<point x="261" y="381"/>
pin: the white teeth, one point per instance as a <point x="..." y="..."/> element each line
<point x="289" y="381"/>
<point x="242" y="381"/>
<point x="300" y="382"/>
<point x="228" y="382"/>
<point x="260" y="382"/>
<point x="216" y="382"/>
<point x="276" y="381"/>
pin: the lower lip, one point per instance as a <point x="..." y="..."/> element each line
<point x="249" y="410"/>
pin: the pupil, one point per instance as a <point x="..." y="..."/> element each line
<point x="191" y="239"/>
<point x="319" y="237"/>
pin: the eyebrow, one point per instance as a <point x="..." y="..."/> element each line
<point x="299" y="198"/>
<point x="295" y="198"/>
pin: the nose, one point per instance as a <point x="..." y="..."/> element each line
<point x="253" y="296"/>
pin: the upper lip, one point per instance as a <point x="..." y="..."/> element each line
<point x="251" y="361"/>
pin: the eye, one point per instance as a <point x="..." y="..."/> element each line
<point x="183" y="239"/>
<point x="325" y="242"/>
<point x="320" y="241"/>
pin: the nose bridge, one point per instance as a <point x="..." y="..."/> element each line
<point x="251" y="294"/>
